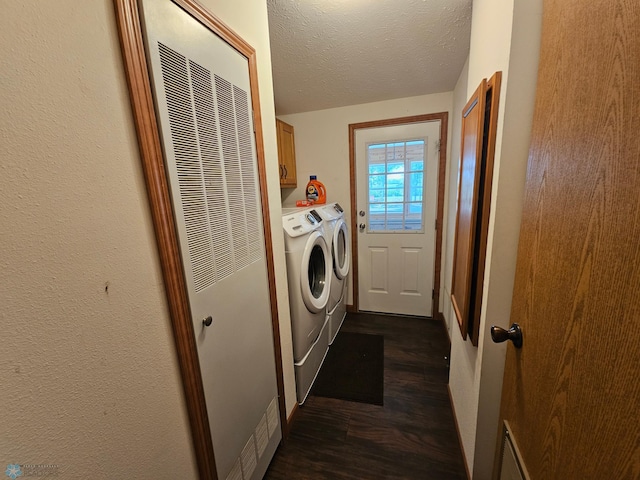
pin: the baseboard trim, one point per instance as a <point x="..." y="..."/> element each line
<point x="289" y="423"/>
<point x="455" y="419"/>
<point x="350" y="309"/>
<point x="440" y="317"/>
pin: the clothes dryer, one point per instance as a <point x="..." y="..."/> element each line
<point x="309" y="276"/>
<point x="337" y="237"/>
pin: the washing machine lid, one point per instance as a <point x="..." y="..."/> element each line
<point x="315" y="273"/>
<point x="341" y="249"/>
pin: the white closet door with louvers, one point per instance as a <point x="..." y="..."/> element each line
<point x="202" y="93"/>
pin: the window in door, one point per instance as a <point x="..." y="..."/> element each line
<point x="396" y="184"/>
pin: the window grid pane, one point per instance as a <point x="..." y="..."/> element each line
<point x="396" y="184"/>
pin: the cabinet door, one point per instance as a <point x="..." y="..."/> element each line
<point x="286" y="154"/>
<point x="466" y="218"/>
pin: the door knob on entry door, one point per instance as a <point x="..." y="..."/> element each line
<point x="362" y="226"/>
<point x="499" y="335"/>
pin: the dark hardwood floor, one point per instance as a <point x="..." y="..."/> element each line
<point x="413" y="436"/>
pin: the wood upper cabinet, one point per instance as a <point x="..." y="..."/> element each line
<point x="286" y="154"/>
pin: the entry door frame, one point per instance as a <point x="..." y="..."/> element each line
<point x="147" y="129"/>
<point x="443" y="117"/>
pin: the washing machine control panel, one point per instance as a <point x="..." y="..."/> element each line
<point x="297" y="224"/>
<point x="313" y="217"/>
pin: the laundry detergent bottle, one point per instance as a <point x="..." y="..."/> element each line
<point x="316" y="193"/>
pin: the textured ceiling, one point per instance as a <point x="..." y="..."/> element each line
<point x="333" y="53"/>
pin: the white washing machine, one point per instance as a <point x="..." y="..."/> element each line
<point x="337" y="237"/>
<point x="309" y="272"/>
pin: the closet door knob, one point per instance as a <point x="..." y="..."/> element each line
<point x="207" y="321"/>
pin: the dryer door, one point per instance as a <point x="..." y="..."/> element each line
<point x="315" y="273"/>
<point x="341" y="249"/>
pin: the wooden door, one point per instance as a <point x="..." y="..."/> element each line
<point x="571" y="395"/>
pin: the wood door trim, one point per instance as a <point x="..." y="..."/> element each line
<point x="442" y="164"/>
<point x="143" y="109"/>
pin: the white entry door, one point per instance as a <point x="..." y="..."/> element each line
<point x="202" y="90"/>
<point x="397" y="183"/>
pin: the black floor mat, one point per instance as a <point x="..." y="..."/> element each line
<point x="353" y="369"/>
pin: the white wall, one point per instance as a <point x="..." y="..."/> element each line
<point x="89" y="371"/>
<point x="489" y="52"/>
<point x="505" y="38"/>
<point x="322" y="144"/>
<point x="459" y="101"/>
